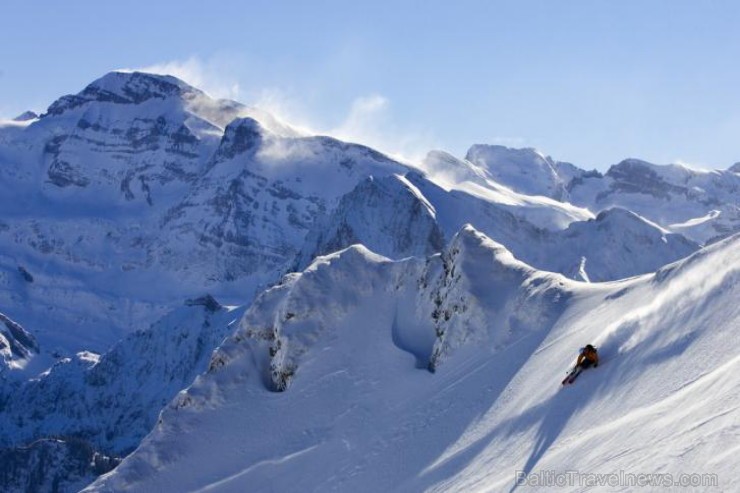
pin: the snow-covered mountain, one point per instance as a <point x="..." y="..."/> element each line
<point x="526" y="171"/>
<point x="388" y="215"/>
<point x="614" y="245"/>
<point x="85" y="185"/>
<point x="348" y="342"/>
<point x="513" y="195"/>
<point x="141" y="191"/>
<point x="112" y="400"/>
<point x="702" y="205"/>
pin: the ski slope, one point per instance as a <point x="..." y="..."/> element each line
<point x="351" y="339"/>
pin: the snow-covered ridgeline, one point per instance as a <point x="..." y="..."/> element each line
<point x="359" y="412"/>
<point x="357" y="324"/>
<point x="701" y="204"/>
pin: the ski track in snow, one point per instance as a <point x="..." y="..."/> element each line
<point x="265" y="462"/>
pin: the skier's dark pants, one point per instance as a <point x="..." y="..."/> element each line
<point x="586" y="363"/>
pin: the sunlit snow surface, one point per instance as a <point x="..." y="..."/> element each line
<point x="140" y="192"/>
<point x="362" y="413"/>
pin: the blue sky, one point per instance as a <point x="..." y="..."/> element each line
<point x="590" y="82"/>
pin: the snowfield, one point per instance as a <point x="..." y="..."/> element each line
<point x="351" y="339"/>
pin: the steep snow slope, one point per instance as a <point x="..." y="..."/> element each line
<point x="661" y="402"/>
<point x="349" y="340"/>
<point x="113" y="400"/>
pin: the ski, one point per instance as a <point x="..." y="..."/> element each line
<point x="572" y="376"/>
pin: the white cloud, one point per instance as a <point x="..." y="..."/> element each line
<point x="365" y="120"/>
<point x="283" y="107"/>
<point x="370" y="121"/>
<point x="692" y="165"/>
<point x="204" y="75"/>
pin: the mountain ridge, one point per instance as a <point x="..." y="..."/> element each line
<point x="313" y="334"/>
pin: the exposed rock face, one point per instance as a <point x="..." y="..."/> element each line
<point x="243" y="136"/>
<point x="16" y="344"/>
<point x="635" y="176"/>
<point x="388" y="215"/>
<point x="26" y="116"/>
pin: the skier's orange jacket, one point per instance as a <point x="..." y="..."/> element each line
<point x="589" y="354"/>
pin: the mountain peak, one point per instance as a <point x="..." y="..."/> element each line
<point x="122" y="87"/>
<point x="26" y="116"/>
<point x="525" y="154"/>
<point x="523" y="170"/>
<point x="478" y="245"/>
<point x="620" y="215"/>
<point x="639" y="166"/>
<point x="133" y="84"/>
<point x="241" y="136"/>
<point x="632" y="161"/>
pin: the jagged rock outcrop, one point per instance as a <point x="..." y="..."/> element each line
<point x="17" y="345"/>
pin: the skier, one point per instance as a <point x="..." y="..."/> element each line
<point x="587" y="358"/>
